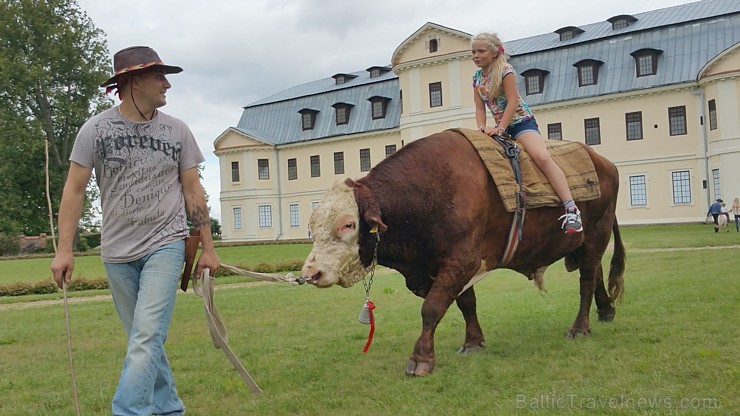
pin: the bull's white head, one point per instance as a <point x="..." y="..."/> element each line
<point x="335" y="230"/>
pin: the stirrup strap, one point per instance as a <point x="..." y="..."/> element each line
<point x="203" y="286"/>
<point x="515" y="233"/>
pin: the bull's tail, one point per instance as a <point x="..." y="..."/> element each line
<point x="616" y="269"/>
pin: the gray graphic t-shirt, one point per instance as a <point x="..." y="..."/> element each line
<point x="137" y="168"/>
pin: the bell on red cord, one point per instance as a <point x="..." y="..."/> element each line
<point x="364" y="317"/>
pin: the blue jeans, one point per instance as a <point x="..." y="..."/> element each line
<point x="523" y="126"/>
<point x="144" y="295"/>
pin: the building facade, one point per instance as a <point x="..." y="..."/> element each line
<point x="658" y="93"/>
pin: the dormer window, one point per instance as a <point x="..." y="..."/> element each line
<point x="342" y="112"/>
<point x="621" y="21"/>
<point x="308" y="118"/>
<point x="588" y="72"/>
<point x="343" y="78"/>
<point x="376" y="71"/>
<point x="379" y="106"/>
<point x="433" y="45"/>
<point x="568" y="32"/>
<point x="646" y="61"/>
<point x="534" y="81"/>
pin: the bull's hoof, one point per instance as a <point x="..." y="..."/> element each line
<point x="471" y="348"/>
<point x="606" y="315"/>
<point x="573" y="332"/>
<point x="417" y="369"/>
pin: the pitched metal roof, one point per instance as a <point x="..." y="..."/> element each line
<point x="646" y="21"/>
<point x="689" y="36"/>
<point x="275" y="119"/>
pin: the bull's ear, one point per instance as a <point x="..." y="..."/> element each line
<point x="369" y="209"/>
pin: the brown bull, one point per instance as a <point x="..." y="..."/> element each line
<point x="442" y="223"/>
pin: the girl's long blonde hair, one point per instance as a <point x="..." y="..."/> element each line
<point x="493" y="43"/>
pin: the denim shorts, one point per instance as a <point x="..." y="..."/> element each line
<point x="523" y="126"/>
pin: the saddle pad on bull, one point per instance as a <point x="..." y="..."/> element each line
<point x="570" y="156"/>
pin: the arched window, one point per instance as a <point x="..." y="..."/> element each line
<point x="588" y="72"/>
<point x="433" y="45"/>
<point x="379" y="106"/>
<point x="646" y="61"/>
<point x="342" y="112"/>
<point x="308" y="118"/>
<point x="621" y="21"/>
<point x="568" y="32"/>
<point x="534" y="81"/>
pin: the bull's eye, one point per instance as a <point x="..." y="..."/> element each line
<point x="345" y="227"/>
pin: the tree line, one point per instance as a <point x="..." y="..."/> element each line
<point x="52" y="59"/>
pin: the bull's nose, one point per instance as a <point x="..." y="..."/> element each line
<point x="302" y="280"/>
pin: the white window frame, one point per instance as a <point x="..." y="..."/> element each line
<point x="716" y="188"/>
<point x="264" y="216"/>
<point x="638" y="190"/>
<point x="294" y="210"/>
<point x="237" y="217"/>
<point x="681" y="187"/>
<point x="263" y="169"/>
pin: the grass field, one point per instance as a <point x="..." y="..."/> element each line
<point x="672" y="348"/>
<point x="91" y="267"/>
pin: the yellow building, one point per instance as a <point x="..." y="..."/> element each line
<point x="658" y="93"/>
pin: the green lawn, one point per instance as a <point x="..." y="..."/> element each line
<point x="637" y="237"/>
<point x="672" y="348"/>
<point x="678" y="235"/>
<point x="91" y="267"/>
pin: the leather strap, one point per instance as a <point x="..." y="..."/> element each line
<point x="515" y="234"/>
<point x="216" y="327"/>
<point x="191" y="249"/>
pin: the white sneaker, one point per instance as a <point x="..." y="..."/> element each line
<point x="571" y="221"/>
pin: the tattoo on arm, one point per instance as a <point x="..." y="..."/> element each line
<point x="199" y="216"/>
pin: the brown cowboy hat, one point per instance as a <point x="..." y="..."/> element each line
<point x="137" y="58"/>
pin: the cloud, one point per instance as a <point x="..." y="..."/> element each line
<point x="237" y="52"/>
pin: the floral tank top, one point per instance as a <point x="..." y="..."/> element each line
<point x="496" y="100"/>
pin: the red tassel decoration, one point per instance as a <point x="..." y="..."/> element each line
<point x="370" y="307"/>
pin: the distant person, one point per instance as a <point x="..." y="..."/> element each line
<point x="146" y="166"/>
<point x="736" y="213"/>
<point x="724" y="218"/>
<point x="715" y="210"/>
<point x="495" y="90"/>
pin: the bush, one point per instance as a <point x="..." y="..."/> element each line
<point x="82" y="283"/>
<point x="264" y="267"/>
<point x="93" y="240"/>
<point x="44" y="287"/>
<point x="47" y="286"/>
<point x="279" y="267"/>
<point x="49" y="245"/>
<point x="221" y="272"/>
<point x="16" y="289"/>
<point x="82" y="244"/>
<point x="9" y="245"/>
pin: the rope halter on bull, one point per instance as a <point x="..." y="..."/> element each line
<point x="515" y="235"/>
<point x="366" y="313"/>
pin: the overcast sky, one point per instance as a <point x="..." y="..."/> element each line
<point x="236" y="52"/>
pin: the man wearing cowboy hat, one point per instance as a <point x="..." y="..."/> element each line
<point x="145" y="165"/>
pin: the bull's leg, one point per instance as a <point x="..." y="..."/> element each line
<point x="604" y="306"/>
<point x="587" y="283"/>
<point x="473" y="334"/>
<point x="433" y="309"/>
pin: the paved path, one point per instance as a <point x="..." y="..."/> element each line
<point x="82" y="299"/>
